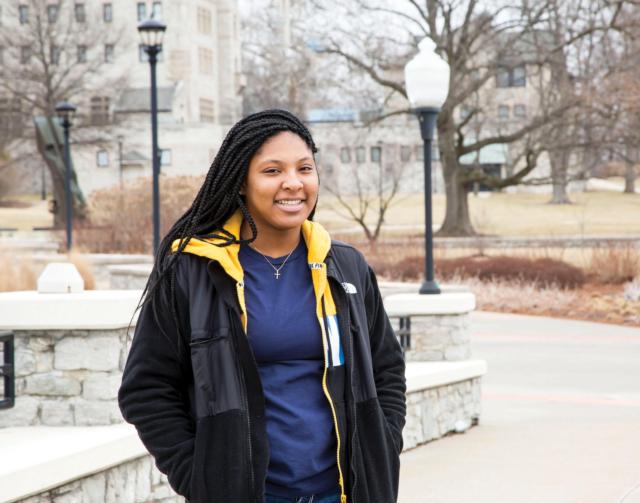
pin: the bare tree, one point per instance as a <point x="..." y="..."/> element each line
<point x="482" y="42"/>
<point x="56" y="52"/>
<point x="366" y="191"/>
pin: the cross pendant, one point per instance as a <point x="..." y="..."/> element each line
<point x="277" y="274"/>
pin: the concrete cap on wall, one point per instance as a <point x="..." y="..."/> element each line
<point x="414" y="304"/>
<point x="60" y="277"/>
<point x="88" y="310"/>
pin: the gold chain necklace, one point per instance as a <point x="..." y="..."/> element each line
<point x="276" y="269"/>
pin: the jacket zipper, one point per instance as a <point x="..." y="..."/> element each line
<point x="325" y="388"/>
<point x="353" y="401"/>
<point x="245" y="403"/>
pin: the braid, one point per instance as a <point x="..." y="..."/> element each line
<point x="215" y="202"/>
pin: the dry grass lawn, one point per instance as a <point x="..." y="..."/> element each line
<point x="524" y="214"/>
<point x="25" y="219"/>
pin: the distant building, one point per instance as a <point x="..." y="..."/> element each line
<point x="199" y="85"/>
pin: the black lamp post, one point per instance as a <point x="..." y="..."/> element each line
<point x="120" y="139"/>
<point x="151" y="33"/>
<point x="65" y="112"/>
<point x="427" y="82"/>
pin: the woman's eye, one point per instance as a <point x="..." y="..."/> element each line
<point x="306" y="168"/>
<point x="271" y="170"/>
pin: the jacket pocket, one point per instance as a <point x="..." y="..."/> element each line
<point x="219" y="457"/>
<point x="215" y="378"/>
<point x="376" y="456"/>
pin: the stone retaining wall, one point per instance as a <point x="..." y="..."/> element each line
<point x="137" y="481"/>
<point x="439" y="337"/>
<point x="434" y="412"/>
<point x="67" y="377"/>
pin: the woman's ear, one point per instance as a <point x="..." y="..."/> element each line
<point x="243" y="189"/>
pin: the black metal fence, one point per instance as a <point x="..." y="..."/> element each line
<point x="7" y="371"/>
<point x="403" y="332"/>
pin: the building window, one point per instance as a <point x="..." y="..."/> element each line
<point x="141" y="9"/>
<point x="52" y="13"/>
<point x="503" y="112"/>
<point x="102" y="158"/>
<point x="204" y="21"/>
<point x="205" y="61"/>
<point x="99" y="110"/>
<point x="1" y="55"/>
<point x="23" y="14"/>
<point x="405" y="153"/>
<point x="107" y="12"/>
<point x="156" y="10"/>
<point x="80" y="13"/>
<point x="165" y="157"/>
<point x="519" y="76"/>
<point x="376" y="154"/>
<point x="519" y="111"/>
<point x="435" y="153"/>
<point x="511" y="77"/>
<point x="360" y="155"/>
<point x="345" y="155"/>
<point x="54" y="54"/>
<point x="108" y="53"/>
<point x="25" y="54"/>
<point x="419" y="152"/>
<point x="11" y="116"/>
<point x="82" y="53"/>
<point x="206" y="110"/>
<point x="328" y="170"/>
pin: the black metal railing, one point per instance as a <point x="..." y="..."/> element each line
<point x="7" y="371"/>
<point x="403" y="332"/>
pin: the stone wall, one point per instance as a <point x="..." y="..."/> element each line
<point x="67" y="377"/>
<point x="439" y="337"/>
<point x="137" y="481"/>
<point x="434" y="412"/>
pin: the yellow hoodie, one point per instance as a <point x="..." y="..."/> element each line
<point x="318" y="244"/>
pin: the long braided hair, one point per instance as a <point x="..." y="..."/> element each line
<point x="216" y="201"/>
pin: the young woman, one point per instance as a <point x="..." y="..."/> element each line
<point x="263" y="366"/>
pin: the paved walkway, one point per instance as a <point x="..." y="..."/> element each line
<point x="560" y="420"/>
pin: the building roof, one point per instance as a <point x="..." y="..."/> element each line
<point x="332" y="115"/>
<point x="495" y="153"/>
<point x="133" y="100"/>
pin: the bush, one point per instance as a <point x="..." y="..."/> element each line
<point x="120" y="220"/>
<point x="615" y="264"/>
<point x="539" y="271"/>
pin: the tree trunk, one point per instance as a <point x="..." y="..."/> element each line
<point x="457" y="221"/>
<point x="559" y="161"/>
<point x="630" y="179"/>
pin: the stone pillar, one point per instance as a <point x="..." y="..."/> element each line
<point x="70" y="350"/>
<point x="439" y="324"/>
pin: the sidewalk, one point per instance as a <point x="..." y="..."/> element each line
<point x="560" y="421"/>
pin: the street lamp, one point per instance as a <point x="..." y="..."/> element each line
<point x="120" y="139"/>
<point x="427" y="82"/>
<point x="151" y="32"/>
<point x="66" y="112"/>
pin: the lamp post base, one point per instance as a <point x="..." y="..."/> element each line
<point x="429" y="288"/>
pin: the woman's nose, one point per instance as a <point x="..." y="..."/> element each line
<point x="292" y="181"/>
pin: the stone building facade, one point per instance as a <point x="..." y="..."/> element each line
<point x="199" y="82"/>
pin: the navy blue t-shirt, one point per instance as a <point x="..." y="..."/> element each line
<point x="284" y="333"/>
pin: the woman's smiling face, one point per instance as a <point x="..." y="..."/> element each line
<point x="282" y="183"/>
